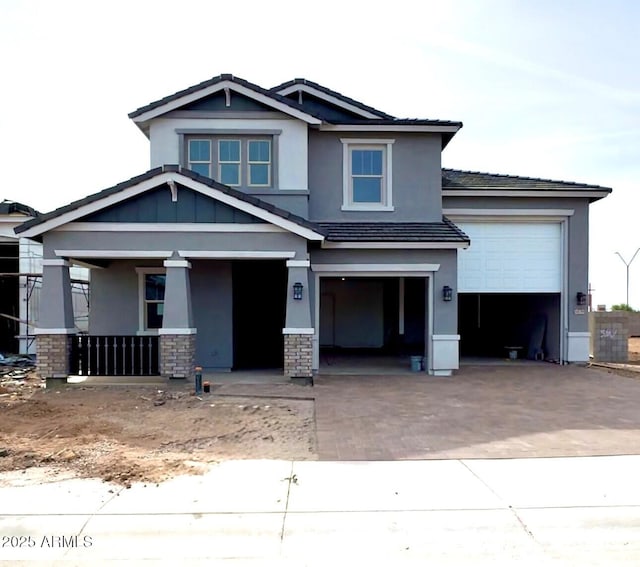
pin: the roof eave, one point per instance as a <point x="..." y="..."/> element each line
<point x="155" y="110"/>
<point x="592" y="194"/>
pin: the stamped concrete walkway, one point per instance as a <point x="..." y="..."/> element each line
<point x="539" y="410"/>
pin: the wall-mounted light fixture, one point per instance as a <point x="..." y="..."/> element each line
<point x="447" y="293"/>
<point x="297" y="290"/>
<point x="581" y="298"/>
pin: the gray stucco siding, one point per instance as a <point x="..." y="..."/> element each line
<point x="156" y="206"/>
<point x="212" y="296"/>
<point x="416" y="177"/>
<point x="173" y="241"/>
<point x="114" y="298"/>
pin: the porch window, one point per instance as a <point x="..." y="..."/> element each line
<point x="152" y="287"/>
<point x="367" y="175"/>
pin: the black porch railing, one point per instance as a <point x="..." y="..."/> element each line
<point x="101" y="355"/>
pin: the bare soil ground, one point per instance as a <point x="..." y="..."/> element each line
<point x="126" y="434"/>
<point x="634" y="350"/>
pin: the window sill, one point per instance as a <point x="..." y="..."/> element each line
<point x="147" y="333"/>
<point x="384" y="208"/>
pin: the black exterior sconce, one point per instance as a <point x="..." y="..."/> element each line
<point x="581" y="298"/>
<point x="447" y="293"/>
<point x="297" y="290"/>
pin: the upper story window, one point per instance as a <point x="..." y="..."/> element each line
<point x="238" y="162"/>
<point x="367" y="182"/>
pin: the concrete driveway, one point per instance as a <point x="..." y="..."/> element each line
<point x="507" y="411"/>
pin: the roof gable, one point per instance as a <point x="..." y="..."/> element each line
<point x="227" y="84"/>
<point x="157" y="206"/>
<point x="304" y="90"/>
<point x="171" y="178"/>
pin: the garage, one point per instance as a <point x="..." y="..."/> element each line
<point x="509" y="289"/>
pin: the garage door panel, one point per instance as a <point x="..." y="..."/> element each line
<point x="510" y="257"/>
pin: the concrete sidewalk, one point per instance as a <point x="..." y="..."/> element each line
<point x="558" y="511"/>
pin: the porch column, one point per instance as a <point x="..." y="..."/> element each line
<point x="56" y="327"/>
<point x="298" y="332"/>
<point x="177" y="336"/>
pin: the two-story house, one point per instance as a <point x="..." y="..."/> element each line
<point x="276" y="223"/>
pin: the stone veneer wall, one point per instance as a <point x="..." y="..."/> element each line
<point x="609" y="336"/>
<point x="177" y="356"/>
<point x="53" y="354"/>
<point x="298" y="355"/>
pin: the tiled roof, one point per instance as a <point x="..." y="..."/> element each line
<point x="383" y="120"/>
<point x="213" y="81"/>
<point x="156" y="172"/>
<point x="399" y="122"/>
<point x="444" y="231"/>
<point x="13" y="208"/>
<point x="459" y="179"/>
<point x="334" y="94"/>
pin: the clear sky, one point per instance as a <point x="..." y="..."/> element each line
<point x="545" y="88"/>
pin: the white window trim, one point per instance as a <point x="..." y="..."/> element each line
<point x="142" y="323"/>
<point x="267" y="163"/>
<point x="347" y="201"/>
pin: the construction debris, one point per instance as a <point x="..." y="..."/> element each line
<point x="18" y="377"/>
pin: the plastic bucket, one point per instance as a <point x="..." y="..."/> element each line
<point x="416" y="363"/>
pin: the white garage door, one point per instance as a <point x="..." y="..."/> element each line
<point x="511" y="257"/>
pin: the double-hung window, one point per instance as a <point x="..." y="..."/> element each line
<point x="152" y="287"/>
<point x="229" y="162"/>
<point x="367" y="175"/>
<point x="241" y="161"/>
<point x="199" y="157"/>
<point x="259" y="163"/>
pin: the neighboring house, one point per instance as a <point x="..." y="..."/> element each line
<point x="274" y="223"/>
<point x="21" y="279"/>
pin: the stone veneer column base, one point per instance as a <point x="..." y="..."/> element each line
<point x="298" y="354"/>
<point x="53" y="354"/>
<point x="177" y="356"/>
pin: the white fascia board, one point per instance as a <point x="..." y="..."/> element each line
<point x="15" y="219"/>
<point x="518" y="193"/>
<point x="530" y="213"/>
<point x="387" y="268"/>
<point x="387" y="128"/>
<point x="396" y="245"/>
<point x="328" y="98"/>
<point x="237" y="254"/>
<point x="114" y="254"/>
<point x="168" y="227"/>
<point x="192" y="97"/>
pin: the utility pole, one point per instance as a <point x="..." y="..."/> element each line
<point x="627" y="264"/>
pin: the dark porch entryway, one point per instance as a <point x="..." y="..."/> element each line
<point x="259" y="310"/>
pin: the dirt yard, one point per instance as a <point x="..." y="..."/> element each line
<point x="634" y="349"/>
<point x="126" y="434"/>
